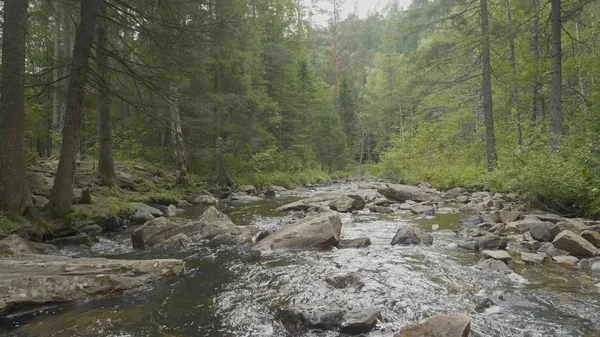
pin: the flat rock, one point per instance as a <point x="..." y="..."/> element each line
<point x="423" y="210"/>
<point x="81" y="239"/>
<point x="566" y="260"/>
<point x="501" y="255"/>
<point x="139" y="206"/>
<point x="207" y="200"/>
<point x="403" y="193"/>
<point x="410" y="235"/>
<point x="355" y="243"/>
<point x="350" y="280"/>
<point x="438" y="326"/>
<point x="574" y="244"/>
<point x="550" y="217"/>
<point x="318" y="231"/>
<point x="493" y="266"/>
<point x="300" y="318"/>
<point x="551" y="251"/>
<point x="532" y="258"/>
<point x="357" y="322"/>
<point x="277" y="188"/>
<point x="36" y="280"/>
<point x="381" y="209"/>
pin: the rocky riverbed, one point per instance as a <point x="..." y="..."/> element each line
<point x="357" y="258"/>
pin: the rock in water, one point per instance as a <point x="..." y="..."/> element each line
<point x="574" y="244"/>
<point x="544" y="231"/>
<point x="35" y="280"/>
<point x="321" y="230"/>
<point x="471" y="221"/>
<point x="501" y="255"/>
<point x="212" y="225"/>
<point x="347" y="204"/>
<point x="142" y="216"/>
<point x="438" y="326"/>
<point x="138" y="206"/>
<point x="422" y="210"/>
<point x="300" y="318"/>
<point x="566" y="260"/>
<point x="355" y="243"/>
<point x="532" y="258"/>
<point x="205" y="200"/>
<point x="359" y="321"/>
<point x="14" y="245"/>
<point x="505" y="216"/>
<point x="345" y="281"/>
<point x="403" y="193"/>
<point x="493" y="266"/>
<point x="410" y="235"/>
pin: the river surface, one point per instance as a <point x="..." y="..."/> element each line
<point x="226" y="292"/>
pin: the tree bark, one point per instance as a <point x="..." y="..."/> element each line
<point x="556" y="114"/>
<point x="536" y="55"/>
<point x="57" y="106"/>
<point x="14" y="190"/>
<point x="181" y="172"/>
<point x="106" y="165"/>
<point x="488" y="117"/>
<point x="60" y="203"/>
<point x="515" y="88"/>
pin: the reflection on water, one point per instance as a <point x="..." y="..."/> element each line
<point x="227" y="293"/>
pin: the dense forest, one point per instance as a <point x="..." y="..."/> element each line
<point x="459" y="93"/>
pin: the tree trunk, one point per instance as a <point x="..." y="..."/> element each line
<point x="14" y="191"/>
<point x="515" y="88"/>
<point x="181" y="171"/>
<point x="488" y="117"/>
<point x="556" y="114"/>
<point x="56" y="75"/>
<point x="60" y="203"/>
<point x="536" y="55"/>
<point x="106" y="165"/>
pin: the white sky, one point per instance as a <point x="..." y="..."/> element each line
<point x="362" y="7"/>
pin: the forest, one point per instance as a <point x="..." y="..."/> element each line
<point x="501" y="96"/>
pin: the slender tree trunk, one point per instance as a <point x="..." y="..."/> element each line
<point x="67" y="55"/>
<point x="536" y="55"/>
<point x="14" y="191"/>
<point x="106" y="165"/>
<point x="556" y="114"/>
<point x="56" y="75"/>
<point x="177" y="141"/>
<point x="60" y="203"/>
<point x="515" y="88"/>
<point x="490" y="138"/>
<point x="576" y="52"/>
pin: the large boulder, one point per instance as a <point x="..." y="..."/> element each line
<point x="486" y="242"/>
<point x="142" y="216"/>
<point x="438" y="326"/>
<point x="410" y="235"/>
<point x="14" y="245"/>
<point x="544" y="231"/>
<point x="403" y="193"/>
<point x="300" y="318"/>
<point x="491" y="265"/>
<point x="208" y="200"/>
<point x="210" y="226"/>
<point x="471" y="221"/>
<point x="574" y="244"/>
<point x="37" y="280"/>
<point x="503" y="216"/>
<point x="321" y="230"/>
<point x="592" y="237"/>
<point x="422" y="210"/>
<point x="348" y="204"/>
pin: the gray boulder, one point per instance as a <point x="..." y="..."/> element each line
<point x="551" y="251"/>
<point x="486" y="242"/>
<point x="75" y="240"/>
<point x="574" y="244"/>
<point x="300" y="318"/>
<point x="566" y="260"/>
<point x="248" y="189"/>
<point x="318" y="231"/>
<point x="471" y="221"/>
<point x="348" y="204"/>
<point x="138" y="206"/>
<point x="422" y="210"/>
<point x="207" y="200"/>
<point x="501" y="255"/>
<point x="14" y="245"/>
<point x="532" y="258"/>
<point x="142" y="216"/>
<point x="544" y="231"/>
<point x="380" y="209"/>
<point x="410" y="235"/>
<point x="592" y="237"/>
<point x="438" y="326"/>
<point x="211" y="225"/>
<point x="550" y="217"/>
<point x="492" y="265"/>
<point x="37" y="280"/>
<point x="503" y="216"/>
<point x="350" y="280"/>
<point x="403" y="193"/>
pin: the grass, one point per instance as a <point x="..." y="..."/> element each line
<point x="7" y="226"/>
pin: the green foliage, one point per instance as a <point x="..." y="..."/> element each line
<point x="6" y="225"/>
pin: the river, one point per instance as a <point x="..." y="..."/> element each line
<point x="226" y="292"/>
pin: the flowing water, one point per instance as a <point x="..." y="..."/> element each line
<point x="228" y="293"/>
